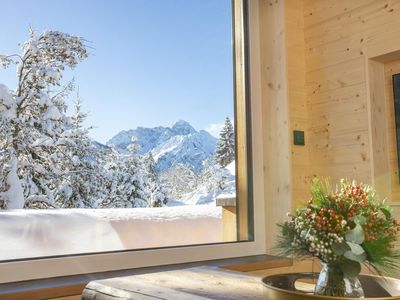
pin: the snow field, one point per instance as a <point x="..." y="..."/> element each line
<point x="39" y="233"/>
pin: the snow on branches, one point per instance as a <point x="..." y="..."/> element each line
<point x="225" y="152"/>
<point x="33" y="116"/>
<point x="47" y="158"/>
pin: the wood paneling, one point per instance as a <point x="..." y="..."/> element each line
<point x="275" y="108"/>
<point x="229" y="221"/>
<point x="326" y="68"/>
<point x="390" y="69"/>
<point x="344" y="87"/>
<point x="284" y="108"/>
<point x="378" y="128"/>
<point x="242" y="200"/>
<point x="296" y="85"/>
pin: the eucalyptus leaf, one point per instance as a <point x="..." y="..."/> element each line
<point x="355" y="248"/>
<point x="340" y="248"/>
<point x="350" y="268"/>
<point x="355" y="235"/>
<point x="355" y="257"/>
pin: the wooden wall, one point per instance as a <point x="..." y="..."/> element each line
<point x="346" y="44"/>
<point x="275" y="108"/>
<point x="391" y="68"/>
<point x="284" y="109"/>
<point x="298" y="113"/>
<point x="336" y="90"/>
<point x="324" y="70"/>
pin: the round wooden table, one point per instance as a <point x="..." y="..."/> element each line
<point x="299" y="286"/>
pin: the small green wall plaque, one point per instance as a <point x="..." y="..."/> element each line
<point x="298" y="138"/>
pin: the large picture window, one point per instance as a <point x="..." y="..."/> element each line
<point x="124" y="126"/>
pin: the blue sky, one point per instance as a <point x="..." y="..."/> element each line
<point x="153" y="62"/>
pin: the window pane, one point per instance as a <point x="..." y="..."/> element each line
<point x="118" y="126"/>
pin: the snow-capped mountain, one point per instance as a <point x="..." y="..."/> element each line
<point x="99" y="146"/>
<point x="179" y="144"/>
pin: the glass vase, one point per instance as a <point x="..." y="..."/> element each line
<point x="333" y="282"/>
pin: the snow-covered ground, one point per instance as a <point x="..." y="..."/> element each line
<point x="207" y="192"/>
<point x="38" y="233"/>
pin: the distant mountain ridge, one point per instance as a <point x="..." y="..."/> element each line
<point x="179" y="144"/>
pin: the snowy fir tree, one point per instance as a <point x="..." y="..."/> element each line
<point x="225" y="152"/>
<point x="156" y="191"/>
<point x="213" y="178"/>
<point x="112" y="168"/>
<point x="178" y="181"/>
<point x="82" y="182"/>
<point x="33" y="118"/>
<point x="126" y="182"/>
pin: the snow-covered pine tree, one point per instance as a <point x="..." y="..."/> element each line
<point x="225" y="152"/>
<point x="112" y="198"/>
<point x="178" y="181"/>
<point x="11" y="192"/>
<point x="126" y="182"/>
<point x="32" y="118"/>
<point x="213" y="177"/>
<point x="156" y="191"/>
<point x="82" y="182"/>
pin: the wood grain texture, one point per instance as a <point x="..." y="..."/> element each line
<point x="242" y="119"/>
<point x="76" y="297"/>
<point x="298" y="113"/>
<point x="323" y="68"/>
<point x="44" y="293"/>
<point x="229" y="222"/>
<point x="275" y="109"/>
<point x="378" y="128"/>
<point x="392" y="68"/>
<point x="261" y="265"/>
<point x="345" y="81"/>
<point x="193" y="283"/>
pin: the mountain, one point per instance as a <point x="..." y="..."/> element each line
<point x="179" y="144"/>
<point x="100" y="146"/>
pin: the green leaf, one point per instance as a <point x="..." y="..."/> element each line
<point x="356" y="248"/>
<point x="340" y="248"/>
<point x="355" y="235"/>
<point x="359" y="219"/>
<point x="350" y="268"/>
<point x="387" y="211"/>
<point x="355" y="257"/>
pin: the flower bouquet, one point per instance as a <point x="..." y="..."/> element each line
<point x="344" y="228"/>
